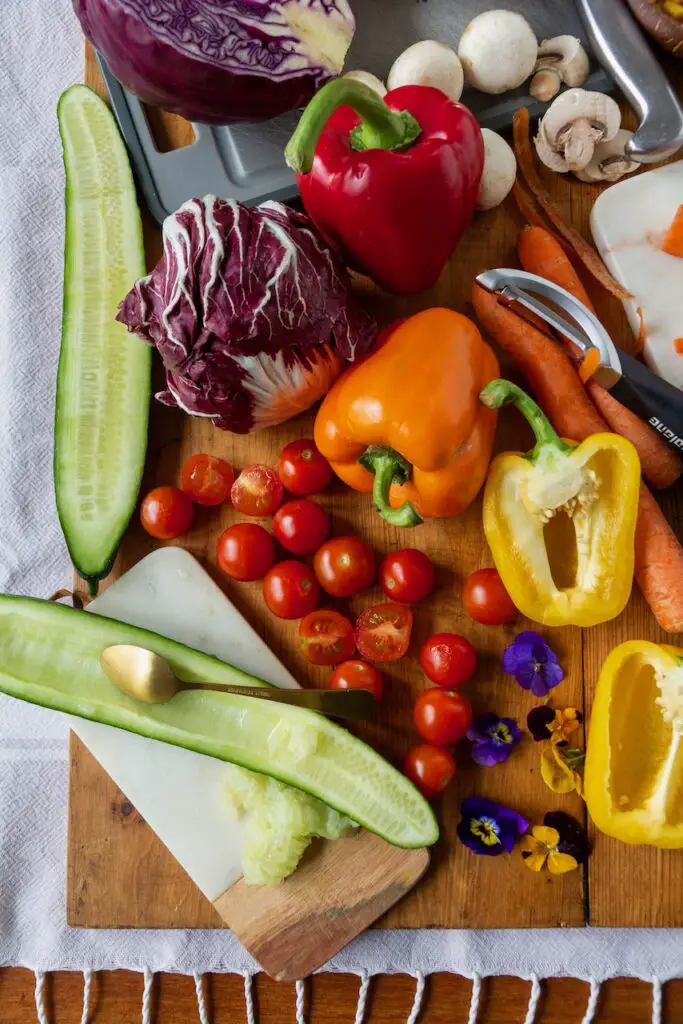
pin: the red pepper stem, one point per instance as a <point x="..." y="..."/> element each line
<point x="504" y="392"/>
<point x="389" y="467"/>
<point x="380" y="127"/>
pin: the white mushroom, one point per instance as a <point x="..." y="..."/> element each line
<point x="572" y="126"/>
<point x="610" y="160"/>
<point x="367" y="78"/>
<point x="500" y="170"/>
<point x="429" y="63"/>
<point x="561" y="59"/>
<point x="498" y="51"/>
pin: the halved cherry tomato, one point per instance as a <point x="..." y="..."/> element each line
<point x="442" y="717"/>
<point x="302" y="469"/>
<point x="383" y="632"/>
<point x="358" y="675"/>
<point x="345" y="566"/>
<point x="301" y="526"/>
<point x="207" y="479"/>
<point x="429" y="768"/>
<point x="166" y="513"/>
<point x="257" y="491"/>
<point x="486" y="600"/>
<point x="245" y="551"/>
<point x="291" y="590"/>
<point x="406" y="575"/>
<point x="326" y="637"/>
<point x="448" y="659"/>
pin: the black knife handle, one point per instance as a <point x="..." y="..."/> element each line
<point x="653" y="399"/>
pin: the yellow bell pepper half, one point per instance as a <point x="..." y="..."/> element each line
<point x="633" y="779"/>
<point x="561" y="520"/>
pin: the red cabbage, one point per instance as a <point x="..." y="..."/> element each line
<point x="221" y="61"/>
<point x="251" y="312"/>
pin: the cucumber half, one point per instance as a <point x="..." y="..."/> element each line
<point x="104" y="378"/>
<point x="49" y="655"/>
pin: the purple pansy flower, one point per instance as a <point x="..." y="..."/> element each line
<point x="493" y="739"/>
<point x="488" y="828"/>
<point x="533" y="664"/>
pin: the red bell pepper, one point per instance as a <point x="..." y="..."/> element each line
<point x="390" y="183"/>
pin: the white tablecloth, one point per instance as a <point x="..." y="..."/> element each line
<point x="41" y="54"/>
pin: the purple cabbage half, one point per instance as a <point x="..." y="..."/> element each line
<point x="221" y="61"/>
<point x="251" y="312"/>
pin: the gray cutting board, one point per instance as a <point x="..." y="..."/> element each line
<point x="246" y="162"/>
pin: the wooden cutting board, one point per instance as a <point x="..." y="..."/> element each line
<point x="108" y="842"/>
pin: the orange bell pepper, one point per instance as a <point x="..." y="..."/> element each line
<point x="406" y="424"/>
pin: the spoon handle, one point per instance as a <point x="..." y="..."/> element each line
<point x="350" y="704"/>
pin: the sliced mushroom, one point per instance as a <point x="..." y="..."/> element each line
<point x="500" y="170"/>
<point x="367" y="78"/>
<point x="560" y="60"/>
<point x="610" y="160"/>
<point x="429" y="63"/>
<point x="498" y="51"/>
<point x="574" y="123"/>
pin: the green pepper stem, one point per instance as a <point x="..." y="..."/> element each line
<point x="380" y="127"/>
<point x="389" y="467"/>
<point x="504" y="392"/>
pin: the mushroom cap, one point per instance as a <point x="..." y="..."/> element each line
<point x="609" y="161"/>
<point x="500" y="170"/>
<point x="599" y="110"/>
<point x="567" y="55"/>
<point x="545" y="84"/>
<point x="498" y="51"/>
<point x="429" y="63"/>
<point x="367" y="78"/>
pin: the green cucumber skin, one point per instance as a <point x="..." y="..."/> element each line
<point x="41" y="638"/>
<point x="93" y="552"/>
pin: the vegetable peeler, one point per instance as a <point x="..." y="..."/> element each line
<point x="629" y="381"/>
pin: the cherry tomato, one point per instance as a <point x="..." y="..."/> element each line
<point x="486" y="600"/>
<point x="429" y="768"/>
<point x="245" y="551"/>
<point x="290" y="590"/>
<point x="206" y="479"/>
<point x="383" y="632"/>
<point x="257" y="491"/>
<point x="326" y="637"/>
<point x="345" y="566"/>
<point x="406" y="575"/>
<point x="358" y="675"/>
<point x="166" y="513"/>
<point x="301" y="526"/>
<point x="448" y="659"/>
<point x="302" y="469"/>
<point x="442" y="717"/>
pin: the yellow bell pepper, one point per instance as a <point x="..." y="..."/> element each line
<point x="560" y="521"/>
<point x="633" y="779"/>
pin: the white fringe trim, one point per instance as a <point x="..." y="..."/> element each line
<point x="363" y="990"/>
<point x="534" y="999"/>
<point x="419" y="996"/>
<point x="474" y="1001"/>
<point x="592" y="1004"/>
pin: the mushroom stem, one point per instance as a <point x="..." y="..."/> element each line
<point x="578" y="143"/>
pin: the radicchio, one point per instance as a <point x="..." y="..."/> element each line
<point x="220" y="61"/>
<point x="251" y="312"/>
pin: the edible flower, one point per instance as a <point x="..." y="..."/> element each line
<point x="558" y="768"/>
<point x="545" y="723"/>
<point x="560" y="843"/>
<point x="488" y="828"/>
<point x="493" y="739"/>
<point x="533" y="664"/>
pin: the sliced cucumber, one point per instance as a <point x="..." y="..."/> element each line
<point x="49" y="655"/>
<point x="103" y="384"/>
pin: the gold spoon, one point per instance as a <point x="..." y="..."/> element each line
<point x="149" y="678"/>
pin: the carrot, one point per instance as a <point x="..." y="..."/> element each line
<point x="589" y="366"/>
<point x="541" y="254"/>
<point x="673" y="239"/>
<point x="585" y="252"/>
<point x="678" y="345"/>
<point x="659" y="556"/>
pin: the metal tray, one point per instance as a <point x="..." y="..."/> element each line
<point x="246" y="162"/>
